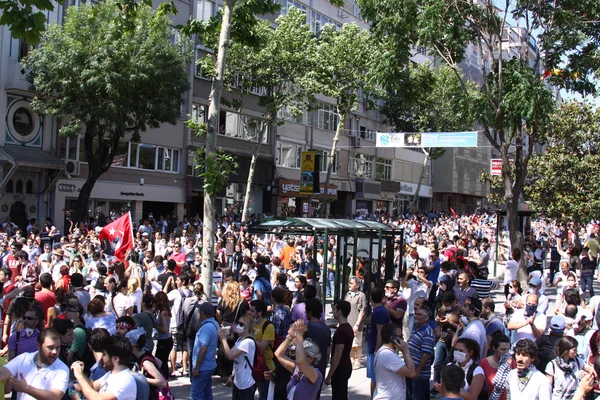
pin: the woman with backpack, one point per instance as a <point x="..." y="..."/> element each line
<point x="564" y="371"/>
<point x="147" y="365"/>
<point x="243" y="356"/>
<point x="466" y="355"/>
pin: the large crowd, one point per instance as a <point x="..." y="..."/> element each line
<point x="80" y="323"/>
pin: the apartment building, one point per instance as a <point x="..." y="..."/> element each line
<point x="43" y="172"/>
<point x="364" y="178"/>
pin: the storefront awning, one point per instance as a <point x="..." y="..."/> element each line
<point x="28" y="157"/>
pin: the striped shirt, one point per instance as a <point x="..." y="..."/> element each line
<point x="420" y="342"/>
<point x="483" y="287"/>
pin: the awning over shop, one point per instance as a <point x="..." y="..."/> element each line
<point x="28" y="157"/>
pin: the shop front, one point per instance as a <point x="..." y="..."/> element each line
<point x="368" y="193"/>
<point x="290" y="202"/>
<point x="118" y="198"/>
<point x="406" y="194"/>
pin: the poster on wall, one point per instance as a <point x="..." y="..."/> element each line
<point x="426" y="139"/>
<point x="307" y="172"/>
<point x="496" y="167"/>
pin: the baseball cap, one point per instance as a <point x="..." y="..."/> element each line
<point x="535" y="281"/>
<point x="557" y="323"/>
<point x="207" y="308"/>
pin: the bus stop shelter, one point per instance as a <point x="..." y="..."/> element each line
<point x="355" y="240"/>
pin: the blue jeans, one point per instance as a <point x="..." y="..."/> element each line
<point x="263" y="390"/>
<point x="202" y="386"/>
<point x="330" y="283"/>
<point x="420" y="389"/>
<point x="587" y="282"/>
<point x="441" y="353"/>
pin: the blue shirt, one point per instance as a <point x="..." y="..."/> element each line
<point x="435" y="272"/>
<point x="208" y="337"/>
<point x="421" y="342"/>
<point x="380" y="316"/>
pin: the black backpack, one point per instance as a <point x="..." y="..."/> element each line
<point x="179" y="317"/>
<point x="483" y="395"/>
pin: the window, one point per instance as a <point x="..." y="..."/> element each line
<point x="259" y="90"/>
<point x="19" y="188"/>
<point x="205" y="10"/>
<point x="325" y="161"/>
<point x="133" y="151"/>
<point x="327" y="117"/>
<point x="361" y="166"/>
<point x="231" y="125"/>
<point x="146" y="156"/>
<point x="367" y="134"/>
<point x="383" y="169"/>
<point x="193" y="163"/>
<point x="72" y="148"/>
<point x="356" y="10"/>
<point x="29" y="187"/>
<point x="199" y="112"/>
<point x="287" y="114"/>
<point x="289" y="155"/>
<point x="318" y="21"/>
<point x="9" y="186"/>
<point x="200" y="71"/>
<point x="286" y="4"/>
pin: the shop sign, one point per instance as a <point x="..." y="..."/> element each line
<point x="132" y="194"/>
<point x="307" y="172"/>
<point x="496" y="167"/>
<point x="411" y="188"/>
<point x="289" y="188"/>
<point x="67" y="188"/>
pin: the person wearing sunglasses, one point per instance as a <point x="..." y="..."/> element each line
<point x="25" y="340"/>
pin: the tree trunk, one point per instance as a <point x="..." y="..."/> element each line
<point x="255" y="153"/>
<point x="214" y="99"/>
<point x="80" y="209"/>
<point x="336" y="138"/>
<point x="415" y="200"/>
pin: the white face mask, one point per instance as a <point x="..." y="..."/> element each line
<point x="464" y="320"/>
<point x="389" y="295"/>
<point x="238" y="329"/>
<point x="459" y="356"/>
<point x="513" y="291"/>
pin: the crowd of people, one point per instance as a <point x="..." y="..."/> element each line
<point x="79" y="322"/>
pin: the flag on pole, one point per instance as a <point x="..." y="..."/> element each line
<point x="454" y="215"/>
<point x="117" y="237"/>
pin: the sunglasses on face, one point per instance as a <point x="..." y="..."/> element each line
<point x="26" y="318"/>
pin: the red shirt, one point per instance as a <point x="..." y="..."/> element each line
<point x="179" y="257"/>
<point x="13" y="264"/>
<point x="47" y="300"/>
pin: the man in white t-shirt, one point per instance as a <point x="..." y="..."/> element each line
<point x="41" y="374"/>
<point x="390" y="369"/>
<point x="528" y="322"/>
<point x="117" y="383"/>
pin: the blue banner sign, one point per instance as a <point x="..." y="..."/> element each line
<point x="427" y="139"/>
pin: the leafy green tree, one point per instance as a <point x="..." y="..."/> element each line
<point x="430" y="100"/>
<point x="25" y="18"/>
<point x="276" y="65"/>
<point x="111" y="80"/>
<point x="344" y="65"/>
<point x="513" y="102"/>
<point x="565" y="178"/>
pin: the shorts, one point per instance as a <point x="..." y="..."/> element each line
<point x="371" y="367"/>
<point x="179" y="340"/>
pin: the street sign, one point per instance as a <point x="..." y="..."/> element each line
<point x="496" y="167"/>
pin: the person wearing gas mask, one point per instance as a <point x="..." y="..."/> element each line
<point x="536" y="287"/>
<point x="528" y="322"/>
<point x="471" y="326"/>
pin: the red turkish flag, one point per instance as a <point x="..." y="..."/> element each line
<point x="117" y="237"/>
<point x="454" y="215"/>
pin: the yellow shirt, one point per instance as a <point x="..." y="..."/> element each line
<point x="269" y="334"/>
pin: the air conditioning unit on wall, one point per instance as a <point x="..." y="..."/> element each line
<point x="355" y="141"/>
<point x="72" y="167"/>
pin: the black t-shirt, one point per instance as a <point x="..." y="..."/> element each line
<point x="343" y="335"/>
<point x="228" y="315"/>
<point x="163" y="278"/>
<point x="321" y="335"/>
<point x="546" y="345"/>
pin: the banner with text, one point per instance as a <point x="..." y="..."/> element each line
<point x="496" y="167"/>
<point x="427" y="139"/>
<point x="307" y="172"/>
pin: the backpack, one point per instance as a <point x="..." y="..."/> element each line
<point x="192" y="323"/>
<point x="156" y="393"/>
<point x="483" y="395"/>
<point x="179" y="317"/>
<point x="259" y="365"/>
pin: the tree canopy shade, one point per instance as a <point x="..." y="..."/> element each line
<point x="565" y="178"/>
<point x="110" y="76"/>
<point x="25" y="18"/>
